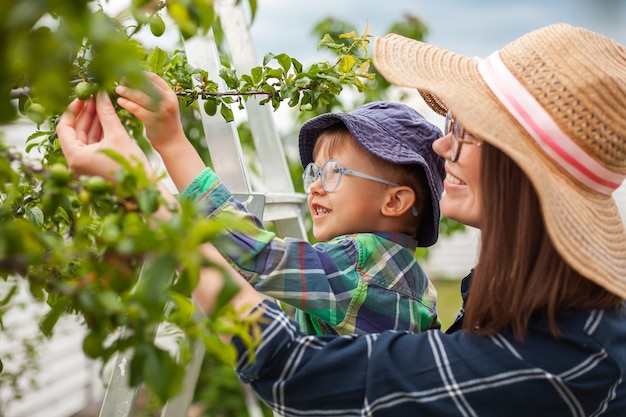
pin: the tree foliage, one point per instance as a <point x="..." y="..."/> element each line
<point x="87" y="247"/>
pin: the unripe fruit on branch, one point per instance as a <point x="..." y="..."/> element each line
<point x="59" y="174"/>
<point x="36" y="112"/>
<point x="210" y="107"/>
<point x="83" y="90"/>
<point x="157" y="25"/>
<point x="97" y="185"/>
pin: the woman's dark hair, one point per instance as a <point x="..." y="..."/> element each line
<point x="519" y="272"/>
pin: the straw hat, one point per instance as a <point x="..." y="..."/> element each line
<point x="554" y="100"/>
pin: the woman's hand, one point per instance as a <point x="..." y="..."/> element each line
<point x="88" y="128"/>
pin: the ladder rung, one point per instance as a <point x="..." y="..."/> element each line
<point x="273" y="206"/>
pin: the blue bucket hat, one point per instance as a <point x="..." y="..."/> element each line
<point x="394" y="132"/>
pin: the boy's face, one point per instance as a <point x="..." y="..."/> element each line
<point x="355" y="206"/>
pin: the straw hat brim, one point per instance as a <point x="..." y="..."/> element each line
<point x="585" y="226"/>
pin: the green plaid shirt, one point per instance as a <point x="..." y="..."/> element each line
<point x="360" y="283"/>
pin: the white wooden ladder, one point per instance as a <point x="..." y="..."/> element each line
<point x="278" y="203"/>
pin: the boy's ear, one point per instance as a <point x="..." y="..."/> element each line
<point x="398" y="201"/>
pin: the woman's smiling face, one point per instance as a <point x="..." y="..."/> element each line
<point x="461" y="200"/>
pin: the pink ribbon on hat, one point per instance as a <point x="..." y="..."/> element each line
<point x="544" y="130"/>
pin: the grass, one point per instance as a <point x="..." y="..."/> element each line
<point x="448" y="300"/>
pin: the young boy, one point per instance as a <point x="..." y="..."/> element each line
<point x="373" y="184"/>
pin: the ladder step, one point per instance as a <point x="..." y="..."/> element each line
<point x="274" y="206"/>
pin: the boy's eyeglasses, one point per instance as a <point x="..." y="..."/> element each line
<point x="457" y="132"/>
<point x="331" y="173"/>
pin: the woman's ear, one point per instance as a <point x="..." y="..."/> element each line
<point x="398" y="201"/>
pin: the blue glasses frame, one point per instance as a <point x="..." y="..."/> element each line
<point x="333" y="167"/>
<point x="312" y="172"/>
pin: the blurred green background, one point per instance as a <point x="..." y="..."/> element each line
<point x="448" y="300"/>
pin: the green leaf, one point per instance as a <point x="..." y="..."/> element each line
<point x="285" y="61"/>
<point x="297" y="66"/>
<point x="87" y="301"/>
<point x="109" y="301"/>
<point x="52" y="317"/>
<point x="161" y="372"/>
<point x="185" y="306"/>
<point x="302" y="81"/>
<point x="157" y="60"/>
<point x="267" y="58"/>
<point x="205" y="13"/>
<point x="66" y="205"/>
<point x="93" y="344"/>
<point x="185" y="282"/>
<point x="247" y="79"/>
<point x="230" y="77"/>
<point x="229" y="290"/>
<point x="155" y="278"/>
<point x="346" y="63"/>
<point x="25" y="14"/>
<point x="275" y="73"/>
<point x="227" y="113"/>
<point x="137" y="367"/>
<point x="295" y="98"/>
<point x="9" y="295"/>
<point x="330" y="43"/>
<point x="257" y="74"/>
<point x="253" y="7"/>
<point x="148" y="200"/>
<point x="226" y="354"/>
<point x="180" y="14"/>
<point x="34" y="215"/>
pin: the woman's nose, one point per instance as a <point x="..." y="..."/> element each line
<point x="442" y="146"/>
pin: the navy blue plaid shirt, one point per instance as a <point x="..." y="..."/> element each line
<point x="437" y="374"/>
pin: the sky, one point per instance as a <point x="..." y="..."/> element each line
<point x="469" y="27"/>
<point x="474" y="28"/>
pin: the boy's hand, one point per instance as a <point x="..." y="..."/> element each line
<point x="161" y="117"/>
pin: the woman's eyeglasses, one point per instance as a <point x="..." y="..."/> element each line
<point x="457" y="132"/>
<point x="331" y="173"/>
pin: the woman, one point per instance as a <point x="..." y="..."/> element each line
<point x="534" y="147"/>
